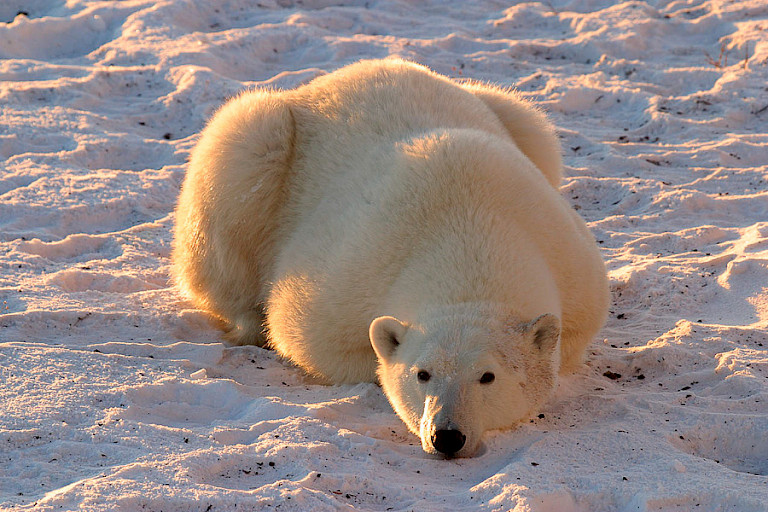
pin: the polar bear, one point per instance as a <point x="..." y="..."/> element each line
<point x="384" y="223"/>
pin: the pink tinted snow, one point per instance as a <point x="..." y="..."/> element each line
<point x="115" y="393"/>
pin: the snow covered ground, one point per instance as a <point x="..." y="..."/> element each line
<point x="116" y="393"/>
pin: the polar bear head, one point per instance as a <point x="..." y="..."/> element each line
<point x="458" y="372"/>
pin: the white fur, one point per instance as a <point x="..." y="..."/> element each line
<point x="385" y="202"/>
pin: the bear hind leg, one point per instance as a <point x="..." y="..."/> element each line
<point x="532" y="132"/>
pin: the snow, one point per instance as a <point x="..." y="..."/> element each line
<point x="116" y="393"/>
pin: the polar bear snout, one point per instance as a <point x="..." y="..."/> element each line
<point x="448" y="441"/>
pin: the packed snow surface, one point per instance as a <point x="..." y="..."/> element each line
<point x="115" y="392"/>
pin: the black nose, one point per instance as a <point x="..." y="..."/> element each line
<point x="448" y="441"/>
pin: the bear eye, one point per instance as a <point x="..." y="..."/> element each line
<point x="423" y="376"/>
<point x="487" y="378"/>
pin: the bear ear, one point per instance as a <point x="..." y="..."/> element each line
<point x="386" y="333"/>
<point x="545" y="331"/>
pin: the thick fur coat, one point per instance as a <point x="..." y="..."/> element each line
<point x="384" y="222"/>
